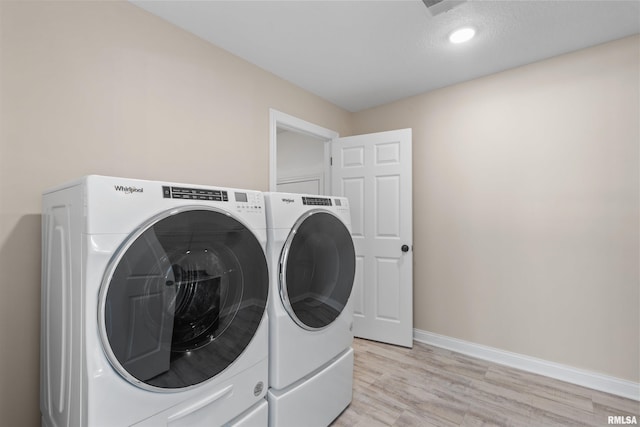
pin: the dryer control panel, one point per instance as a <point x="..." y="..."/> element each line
<point x="248" y="202"/>
<point x="194" y="194"/>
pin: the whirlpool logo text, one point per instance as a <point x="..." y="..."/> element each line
<point x="128" y="189"/>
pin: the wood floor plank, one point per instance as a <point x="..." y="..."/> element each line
<point x="431" y="387"/>
<point x="616" y="403"/>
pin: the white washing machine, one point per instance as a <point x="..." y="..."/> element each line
<point x="312" y="265"/>
<point x="153" y="305"/>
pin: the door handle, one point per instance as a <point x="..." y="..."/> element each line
<point x="404" y="248"/>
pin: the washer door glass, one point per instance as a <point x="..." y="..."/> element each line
<point x="183" y="299"/>
<point x="317" y="268"/>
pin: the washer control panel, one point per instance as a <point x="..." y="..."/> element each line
<point x="316" y="201"/>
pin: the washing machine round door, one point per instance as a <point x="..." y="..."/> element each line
<point x="182" y="298"/>
<point x="317" y="267"/>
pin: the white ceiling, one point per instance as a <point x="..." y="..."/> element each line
<point x="360" y="54"/>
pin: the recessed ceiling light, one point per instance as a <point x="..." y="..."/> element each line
<point x="462" y="35"/>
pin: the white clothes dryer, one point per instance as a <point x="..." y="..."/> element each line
<point x="312" y="266"/>
<point x="153" y="305"/>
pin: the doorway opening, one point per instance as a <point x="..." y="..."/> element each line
<point x="300" y="155"/>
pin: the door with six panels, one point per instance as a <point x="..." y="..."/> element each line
<point x="374" y="171"/>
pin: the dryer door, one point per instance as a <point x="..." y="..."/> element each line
<point x="317" y="267"/>
<point x="183" y="298"/>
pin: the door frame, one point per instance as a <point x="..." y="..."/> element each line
<point x="278" y="119"/>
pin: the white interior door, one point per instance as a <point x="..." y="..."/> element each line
<point x="374" y="172"/>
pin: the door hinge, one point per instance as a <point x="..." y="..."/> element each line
<point x="330" y="161"/>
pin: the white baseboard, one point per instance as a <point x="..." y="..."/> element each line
<point x="584" y="378"/>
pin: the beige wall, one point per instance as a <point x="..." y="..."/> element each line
<point x="106" y="88"/>
<point x="526" y="211"/>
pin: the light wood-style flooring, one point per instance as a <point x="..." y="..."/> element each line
<point x="429" y="386"/>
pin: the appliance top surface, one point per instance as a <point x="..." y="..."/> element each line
<point x="308" y="200"/>
<point x="92" y="180"/>
<point x="119" y="205"/>
<point x="284" y="209"/>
